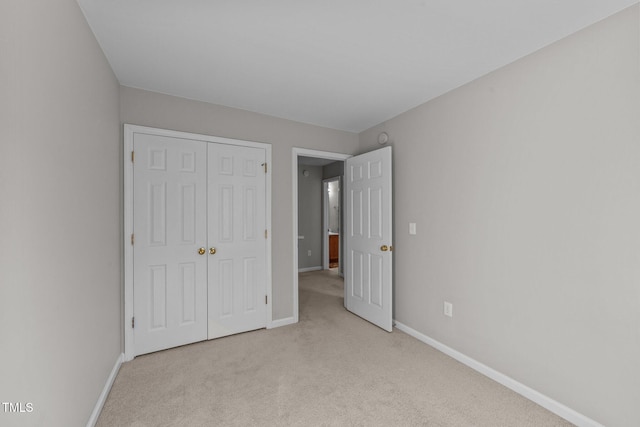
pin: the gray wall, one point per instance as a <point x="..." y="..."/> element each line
<point x="524" y="185"/>
<point x="333" y="169"/>
<point x="60" y="209"/>
<point x="310" y="216"/>
<point x="163" y="111"/>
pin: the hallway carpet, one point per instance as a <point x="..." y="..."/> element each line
<point x="330" y="369"/>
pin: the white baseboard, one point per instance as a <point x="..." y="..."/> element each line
<point x="304" y="270"/>
<point x="531" y="394"/>
<point x="105" y="392"/>
<point x="282" y="322"/>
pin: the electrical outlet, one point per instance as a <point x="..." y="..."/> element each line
<point x="309" y="252"/>
<point x="412" y="228"/>
<point x="448" y="309"/>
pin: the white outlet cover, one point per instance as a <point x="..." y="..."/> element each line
<point x="412" y="228"/>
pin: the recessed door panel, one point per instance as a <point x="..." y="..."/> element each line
<point x="188" y="292"/>
<point x="357" y="220"/>
<point x="225" y="214"/>
<point x="225" y="278"/>
<point x="188" y="209"/>
<point x="157" y="213"/>
<point x="356" y="172"/>
<point x="187" y="161"/>
<point x="158" y="297"/>
<point x="250" y="285"/>
<point x="250" y="168"/>
<point x="375" y="214"/>
<point x="375" y="280"/>
<point x="375" y="169"/>
<point x="157" y="158"/>
<point x="249" y="214"/>
<point x="226" y="165"/>
<point x="357" y="274"/>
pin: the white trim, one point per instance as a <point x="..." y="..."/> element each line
<point x="303" y="152"/>
<point x="282" y="322"/>
<point x="531" y="394"/>
<point x="128" y="248"/>
<point x="93" y="419"/>
<point x="304" y="270"/>
<point x="325" y="224"/>
<point x="129" y="131"/>
<point x="269" y="239"/>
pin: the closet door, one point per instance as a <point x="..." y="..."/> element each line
<point x="170" y="232"/>
<point x="237" y="239"/>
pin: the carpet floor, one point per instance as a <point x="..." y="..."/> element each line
<point x="330" y="369"/>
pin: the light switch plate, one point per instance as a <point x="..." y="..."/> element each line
<point x="412" y="228"/>
<point x="448" y="309"/>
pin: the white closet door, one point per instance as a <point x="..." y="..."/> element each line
<point x="169" y="224"/>
<point x="237" y="218"/>
<point x="369" y="260"/>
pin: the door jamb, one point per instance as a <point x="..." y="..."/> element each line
<point x="129" y="131"/>
<point x="295" y="153"/>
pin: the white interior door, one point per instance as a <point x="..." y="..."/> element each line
<point x="368" y="269"/>
<point x="237" y="227"/>
<point x="169" y="222"/>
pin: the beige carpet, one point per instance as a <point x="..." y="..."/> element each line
<point x="330" y="369"/>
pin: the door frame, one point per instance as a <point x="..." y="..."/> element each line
<point x="325" y="222"/>
<point x="295" y="153"/>
<point x="129" y="131"/>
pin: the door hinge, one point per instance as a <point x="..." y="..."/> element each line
<point x="133" y="156"/>
<point x="266" y="234"/>
<point x="132" y="239"/>
<point x="133" y="322"/>
<point x="265" y="299"/>
<point x="265" y="167"/>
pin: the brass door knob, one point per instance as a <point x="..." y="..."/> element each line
<point x="202" y="251"/>
<point x="212" y="251"/>
<point x="384" y="248"/>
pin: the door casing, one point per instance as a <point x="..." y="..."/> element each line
<point x="129" y="132"/>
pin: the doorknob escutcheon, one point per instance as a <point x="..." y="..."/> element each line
<point x="212" y="251"/>
<point x="202" y="251"/>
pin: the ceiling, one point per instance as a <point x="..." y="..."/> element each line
<point x="342" y="64"/>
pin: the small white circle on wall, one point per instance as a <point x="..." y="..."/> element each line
<point x="383" y="138"/>
<point x="305" y="173"/>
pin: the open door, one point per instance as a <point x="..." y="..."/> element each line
<point x="368" y="244"/>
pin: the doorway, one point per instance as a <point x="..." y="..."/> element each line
<point x="302" y="243"/>
<point x="367" y="197"/>
<point x="332" y="223"/>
